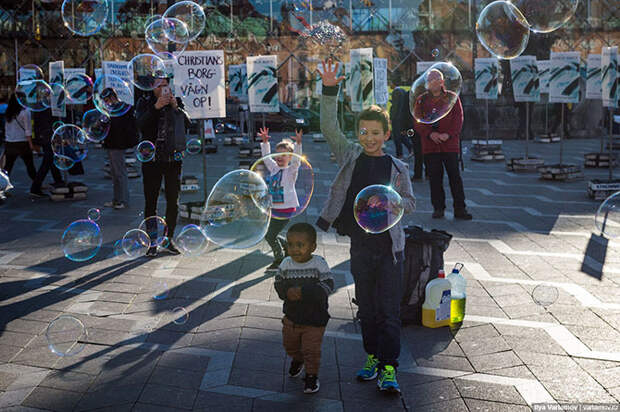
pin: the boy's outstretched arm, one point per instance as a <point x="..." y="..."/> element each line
<point x="330" y="127"/>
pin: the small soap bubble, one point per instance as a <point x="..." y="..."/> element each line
<point x="108" y="94"/>
<point x="219" y="127"/>
<point x="66" y="335"/>
<point x="136" y="243"/>
<point x="435" y="53"/>
<point x="363" y="132"/>
<point x="147" y="70"/>
<point x="377" y="208"/>
<point x="81" y="240"/>
<point x="145" y="151"/>
<point x="84" y="17"/>
<point x="191" y="241"/>
<point x="607" y="219"/>
<point x="94" y="214"/>
<point x="79" y="88"/>
<point x="193" y="146"/>
<point x="545" y="295"/>
<point x="69" y="141"/>
<point x="96" y="125"/>
<point x="63" y="162"/>
<point x="179" y="315"/>
<point x="410" y="133"/>
<point x="178" y="156"/>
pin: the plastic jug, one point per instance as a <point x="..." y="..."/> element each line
<point x="436" y="307"/>
<point x="459" y="286"/>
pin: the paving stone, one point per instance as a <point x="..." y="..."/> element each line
<point x="168" y="396"/>
<point x="8" y="352"/>
<point x="478" y="405"/>
<point x="216" y="402"/>
<point x="484" y="346"/>
<point x="184" y="361"/>
<point x="69" y="381"/>
<point x="52" y="399"/>
<point x="268" y="335"/>
<point x="431" y="392"/>
<point x="543" y="344"/>
<point x="476" y="333"/>
<point x="257" y="380"/>
<point x="488" y="391"/>
<point x="6" y="379"/>
<point x="251" y="362"/>
<point x="149" y="407"/>
<point x="446" y="362"/>
<point x="608" y="378"/>
<point x="223" y="340"/>
<point x="110" y="397"/>
<point x="452" y="405"/>
<point x="514" y="372"/>
<point x="15" y="339"/>
<point x="258" y="347"/>
<point x="492" y="361"/>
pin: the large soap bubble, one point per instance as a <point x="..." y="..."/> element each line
<point x="156" y="228"/>
<point x="607" y="219"/>
<point x="108" y="93"/>
<point x="236" y="214"/>
<point x="377" y="208"/>
<point x="66" y="335"/>
<point x="69" y="141"/>
<point x="191" y="241"/>
<point x="546" y="16"/>
<point x="5" y="182"/>
<point x="79" y="88"/>
<point x="81" y="240"/>
<point x="84" y="17"/>
<point x="435" y="92"/>
<point x="148" y="69"/>
<point x="96" y="125"/>
<point x="145" y="151"/>
<point x="502" y="30"/>
<point x="135" y="243"/>
<point x="189" y="13"/>
<point x="34" y="95"/>
<point x="160" y="44"/>
<point x="279" y="167"/>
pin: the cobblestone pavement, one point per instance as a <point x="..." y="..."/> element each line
<point x="509" y="354"/>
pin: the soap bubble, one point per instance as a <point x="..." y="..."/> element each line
<point x="276" y="167"/>
<point x="58" y="97"/>
<point x="160" y="44"/>
<point x="156" y="228"/>
<point x="117" y="250"/>
<point x="179" y="315"/>
<point x="443" y="78"/>
<point x="69" y="141"/>
<point x="94" y="214"/>
<point x="34" y="95"/>
<point x="236" y="214"/>
<point x="108" y="93"/>
<point x="607" y="219"/>
<point x="545" y="295"/>
<point x="186" y="12"/>
<point x="148" y="69"/>
<point x="84" y="17"/>
<point x="191" y="241"/>
<point x="435" y="53"/>
<point x="193" y="146"/>
<point x="5" y="182"/>
<point x="63" y="162"/>
<point x="546" y="16"/>
<point x="57" y="124"/>
<point x="29" y="72"/>
<point x="377" y="208"/>
<point x="219" y="127"/>
<point x="145" y="151"/>
<point x="327" y="35"/>
<point x="502" y="30"/>
<point x="178" y="156"/>
<point x="79" y="88"/>
<point x="66" y="335"/>
<point x="161" y="291"/>
<point x="81" y="240"/>
<point x="96" y="125"/>
<point x="410" y="133"/>
<point x="135" y="243"/>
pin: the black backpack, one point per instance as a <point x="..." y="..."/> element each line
<point x="423" y="260"/>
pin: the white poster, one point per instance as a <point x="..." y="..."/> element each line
<point x="73" y="88"/>
<point x="525" y="82"/>
<point x="593" y="77"/>
<point x="362" y="90"/>
<point x="565" y="78"/>
<point x="487" y="75"/>
<point x="421" y="66"/>
<point x="382" y="95"/>
<point x="209" y="131"/>
<point x="238" y="80"/>
<point x="609" y="73"/>
<point x="58" y="98"/>
<point x="125" y="73"/>
<point x="263" y="84"/>
<point x="544" y="74"/>
<point x="200" y="79"/>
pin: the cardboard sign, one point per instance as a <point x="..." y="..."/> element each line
<point x="199" y="78"/>
<point x="263" y="84"/>
<point x="544" y="74"/>
<point x="565" y="78"/>
<point x="609" y="74"/>
<point x="124" y="72"/>
<point x="486" y="76"/>
<point x="525" y="81"/>
<point x="593" y="77"/>
<point x="382" y="95"/>
<point x="362" y="90"/>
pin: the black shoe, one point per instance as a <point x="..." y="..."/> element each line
<point x="462" y="214"/>
<point x="152" y="252"/>
<point x="295" y="369"/>
<point x="438" y="214"/>
<point x="312" y="384"/>
<point x="172" y="249"/>
<point x="38" y="194"/>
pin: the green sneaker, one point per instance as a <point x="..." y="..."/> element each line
<point x="369" y="371"/>
<point x="387" y="380"/>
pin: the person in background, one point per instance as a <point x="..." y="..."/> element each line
<point x="43" y="132"/>
<point x="122" y="135"/>
<point x="402" y="121"/>
<point x="441" y="147"/>
<point x="18" y="138"/>
<point x="162" y="120"/>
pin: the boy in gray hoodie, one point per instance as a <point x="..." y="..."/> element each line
<point x="376" y="259"/>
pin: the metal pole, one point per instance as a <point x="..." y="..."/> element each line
<point x="562" y="135"/>
<point x="203" y="153"/>
<point x="611" y="144"/>
<point x="487" y="111"/>
<point x="547" y="118"/>
<point x="527" y="127"/>
<point x="263" y="115"/>
<point x="270" y="15"/>
<point x="16" y="61"/>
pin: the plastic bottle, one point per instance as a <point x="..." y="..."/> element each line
<point x="436" y="307"/>
<point x="459" y="297"/>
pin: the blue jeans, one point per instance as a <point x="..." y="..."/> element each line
<point x="378" y="291"/>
